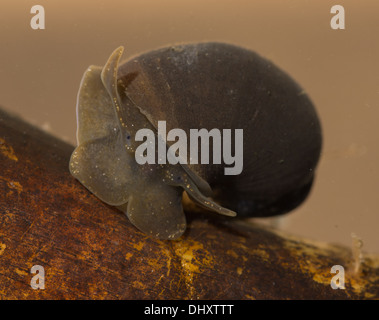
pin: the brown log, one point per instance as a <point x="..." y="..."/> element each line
<point x="90" y="250"/>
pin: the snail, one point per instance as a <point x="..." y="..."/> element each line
<point x="201" y="85"/>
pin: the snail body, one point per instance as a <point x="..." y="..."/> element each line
<point x="204" y="85"/>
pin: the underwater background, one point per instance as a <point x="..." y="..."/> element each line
<point x="40" y="73"/>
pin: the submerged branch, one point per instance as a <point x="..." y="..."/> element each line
<point x="90" y="250"/>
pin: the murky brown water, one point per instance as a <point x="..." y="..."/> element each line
<point x="40" y="71"/>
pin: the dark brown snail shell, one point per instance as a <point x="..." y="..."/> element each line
<point x="203" y="85"/>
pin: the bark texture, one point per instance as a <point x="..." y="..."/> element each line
<point x="90" y="250"/>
